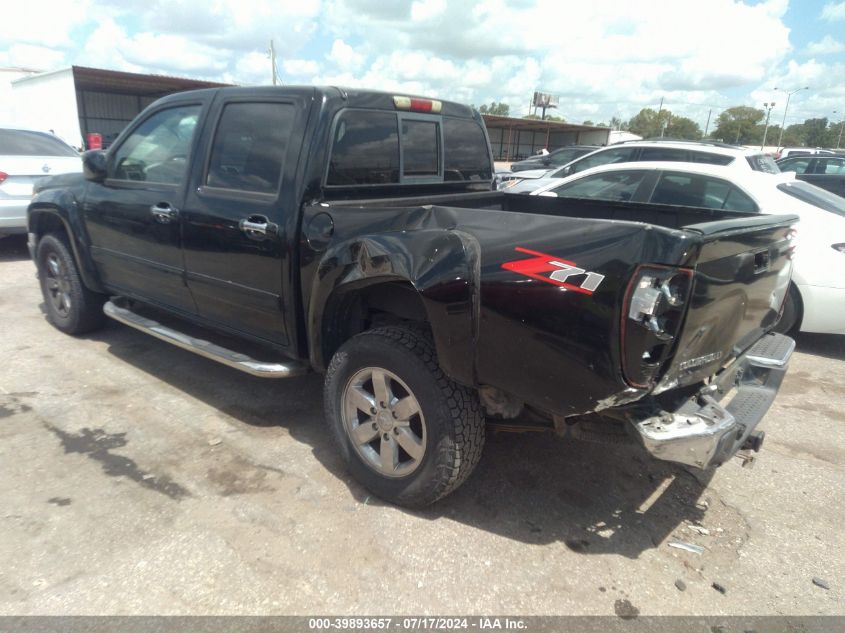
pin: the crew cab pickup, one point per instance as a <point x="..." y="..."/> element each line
<point x="355" y="233"/>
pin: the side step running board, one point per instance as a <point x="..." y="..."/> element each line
<point x="236" y="360"/>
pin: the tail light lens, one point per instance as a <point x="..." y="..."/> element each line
<point x="654" y="307"/>
<point x="3" y="176"/>
<point x="838" y="247"/>
<point x="792" y="237"/>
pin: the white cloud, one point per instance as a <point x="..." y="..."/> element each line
<point x="345" y="56"/>
<point x="833" y="11"/>
<point x="301" y="67"/>
<point x="604" y="57"/>
<point x="826" y="46"/>
<point x="32" y="57"/>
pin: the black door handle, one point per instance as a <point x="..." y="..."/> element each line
<point x="164" y="213"/>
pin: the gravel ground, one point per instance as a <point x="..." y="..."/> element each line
<point x="138" y="478"/>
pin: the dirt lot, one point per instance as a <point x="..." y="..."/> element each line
<point x="139" y="478"/>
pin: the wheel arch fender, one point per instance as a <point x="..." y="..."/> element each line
<point x="441" y="268"/>
<point x="58" y="209"/>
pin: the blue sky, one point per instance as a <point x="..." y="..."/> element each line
<point x="603" y="58"/>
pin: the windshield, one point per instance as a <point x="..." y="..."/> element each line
<point x="816" y="196"/>
<point x="24" y="143"/>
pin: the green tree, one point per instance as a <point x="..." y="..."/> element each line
<point x="549" y="117"/>
<point x="649" y="123"/>
<point x="740" y="125"/>
<point x="618" y="124"/>
<point x="499" y="109"/>
<point x="815" y="132"/>
<point x="682" y="127"/>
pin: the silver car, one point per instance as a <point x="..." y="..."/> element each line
<point x="25" y="158"/>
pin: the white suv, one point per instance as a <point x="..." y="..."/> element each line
<point x="709" y="152"/>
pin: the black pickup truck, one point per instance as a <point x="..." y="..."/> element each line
<point x="357" y="234"/>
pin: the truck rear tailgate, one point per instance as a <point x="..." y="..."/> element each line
<point x="741" y="277"/>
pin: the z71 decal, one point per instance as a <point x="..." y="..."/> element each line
<point x="555" y="271"/>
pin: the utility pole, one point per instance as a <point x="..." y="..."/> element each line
<point x="273" y="62"/>
<point x="707" y="125"/>
<point x="841" y="127"/>
<point x="786" y="108"/>
<point x="768" y="107"/>
<point x="659" y="110"/>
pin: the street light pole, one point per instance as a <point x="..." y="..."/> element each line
<point x="768" y="107"/>
<point x="786" y="109"/>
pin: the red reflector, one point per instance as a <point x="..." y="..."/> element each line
<point x="3" y="176"/>
<point x="95" y="140"/>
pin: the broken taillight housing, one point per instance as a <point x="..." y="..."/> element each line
<point x="655" y="303"/>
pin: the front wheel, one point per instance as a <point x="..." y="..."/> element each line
<point x="407" y="432"/>
<point x="71" y="307"/>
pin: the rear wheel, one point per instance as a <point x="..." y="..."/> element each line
<point x="790" y="320"/>
<point x="71" y="307"/>
<point x="408" y="433"/>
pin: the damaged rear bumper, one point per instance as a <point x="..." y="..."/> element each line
<point x="705" y="431"/>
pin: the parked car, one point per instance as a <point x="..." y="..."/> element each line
<point x="816" y="301"/>
<point x="26" y="157"/>
<point x="556" y="158"/>
<point x="789" y="152"/>
<point x="823" y="170"/>
<point x="356" y="233"/>
<point x="632" y="151"/>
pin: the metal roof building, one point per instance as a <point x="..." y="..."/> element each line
<point x="514" y="139"/>
<point x="76" y="101"/>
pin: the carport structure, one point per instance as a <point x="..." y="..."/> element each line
<point x="77" y="101"/>
<point x="514" y="139"/>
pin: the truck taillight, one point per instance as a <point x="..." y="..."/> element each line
<point x="417" y="105"/>
<point x="3" y="176"/>
<point x="654" y="307"/>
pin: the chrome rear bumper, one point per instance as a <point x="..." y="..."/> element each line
<point x="704" y="432"/>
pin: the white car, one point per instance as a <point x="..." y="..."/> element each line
<point x="25" y="158"/>
<point x="816" y="298"/>
<point x="697" y="152"/>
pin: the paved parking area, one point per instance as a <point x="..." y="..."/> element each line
<point x="139" y="478"/>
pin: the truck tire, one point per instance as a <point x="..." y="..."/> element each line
<point x="408" y="433"/>
<point x="71" y="307"/>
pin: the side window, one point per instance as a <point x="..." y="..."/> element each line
<point x="798" y="165"/>
<point x="365" y="149"/>
<point x="711" y="159"/>
<point x="692" y="190"/>
<point x="664" y="153"/>
<point x="618" y="186"/>
<point x="157" y="150"/>
<point x="605" y="157"/>
<point x="830" y="166"/>
<point x="249" y="146"/>
<point x="684" y="190"/>
<point x="420" y="148"/>
<point x="466" y="152"/>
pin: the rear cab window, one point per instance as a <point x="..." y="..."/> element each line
<point x="377" y="147"/>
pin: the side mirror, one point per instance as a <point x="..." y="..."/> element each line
<point x="94" y="165"/>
